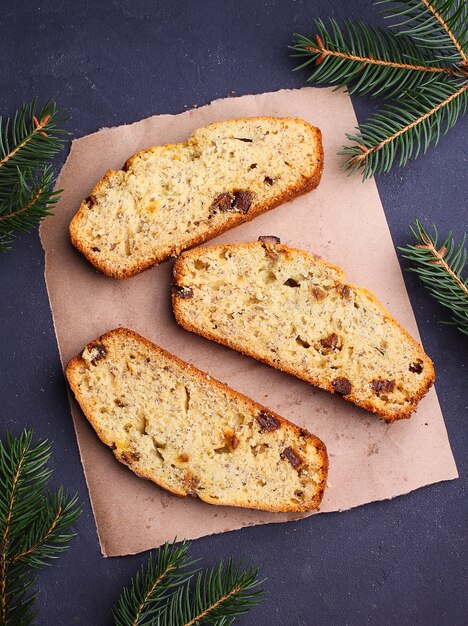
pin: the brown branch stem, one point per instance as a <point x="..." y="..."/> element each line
<point x="440" y="260"/>
<point x="3" y="586"/>
<point x="4" y="543"/>
<point x="372" y="61"/>
<point x="39" y="125"/>
<point x="366" y="151"/>
<point x="153" y="587"/>
<point x="199" y="617"/>
<point x="24" y="208"/>
<point x="447" y="29"/>
<point x="43" y="539"/>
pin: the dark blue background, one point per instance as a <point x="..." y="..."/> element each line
<point x="401" y="561"/>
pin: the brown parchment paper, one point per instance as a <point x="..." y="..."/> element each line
<point x="342" y="221"/>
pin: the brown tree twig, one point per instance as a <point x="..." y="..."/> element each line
<point x="42" y="540"/>
<point x="366" y="151"/>
<point x="39" y="125"/>
<point x="440" y="260"/>
<point x="447" y="29"/>
<point x="24" y="208"/>
<point x="150" y="591"/>
<point x="208" y="610"/>
<point x="4" y="543"/>
<point x="324" y="52"/>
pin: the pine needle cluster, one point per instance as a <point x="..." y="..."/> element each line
<point x="170" y="592"/>
<point x="441" y="268"/>
<point x="34" y="524"/>
<point x="419" y="63"/>
<point x="29" y="140"/>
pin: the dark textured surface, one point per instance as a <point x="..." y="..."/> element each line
<point x="400" y="561"/>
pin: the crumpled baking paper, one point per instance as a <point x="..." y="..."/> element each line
<point x="342" y="221"/>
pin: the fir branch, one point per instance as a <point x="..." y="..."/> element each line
<point x="219" y="596"/>
<point x="401" y="131"/>
<point x="163" y="593"/>
<point x="28" y="141"/>
<point x="26" y="204"/>
<point x="47" y="537"/>
<point x="441" y="270"/>
<point x="140" y="603"/>
<point x="440" y="25"/>
<point x="33" y="523"/>
<point x="367" y="60"/>
<point x="422" y="67"/>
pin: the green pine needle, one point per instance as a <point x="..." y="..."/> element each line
<point x="439" y="25"/>
<point x="441" y="269"/>
<point x="25" y="204"/>
<point x="368" y="60"/>
<point x="168" y="593"/>
<point x="402" y="130"/>
<point x="219" y="596"/>
<point x="422" y="67"/>
<point x="143" y="600"/>
<point x="34" y="524"/>
<point x="28" y="142"/>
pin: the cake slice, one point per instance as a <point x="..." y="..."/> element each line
<point x="295" y="312"/>
<point x="168" y="198"/>
<point x="190" y="434"/>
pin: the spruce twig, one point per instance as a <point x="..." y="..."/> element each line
<point x="164" y="593"/>
<point x="368" y="60"/>
<point x="441" y="268"/>
<point x="143" y="600"/>
<point x="34" y="524"/>
<point x="402" y="130"/>
<point x="28" y="142"/>
<point x="220" y="596"/>
<point x="440" y="25"/>
<point x="422" y="65"/>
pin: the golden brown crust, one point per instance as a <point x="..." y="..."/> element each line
<point x="307" y="184"/>
<point x="405" y="413"/>
<point x="72" y="372"/>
